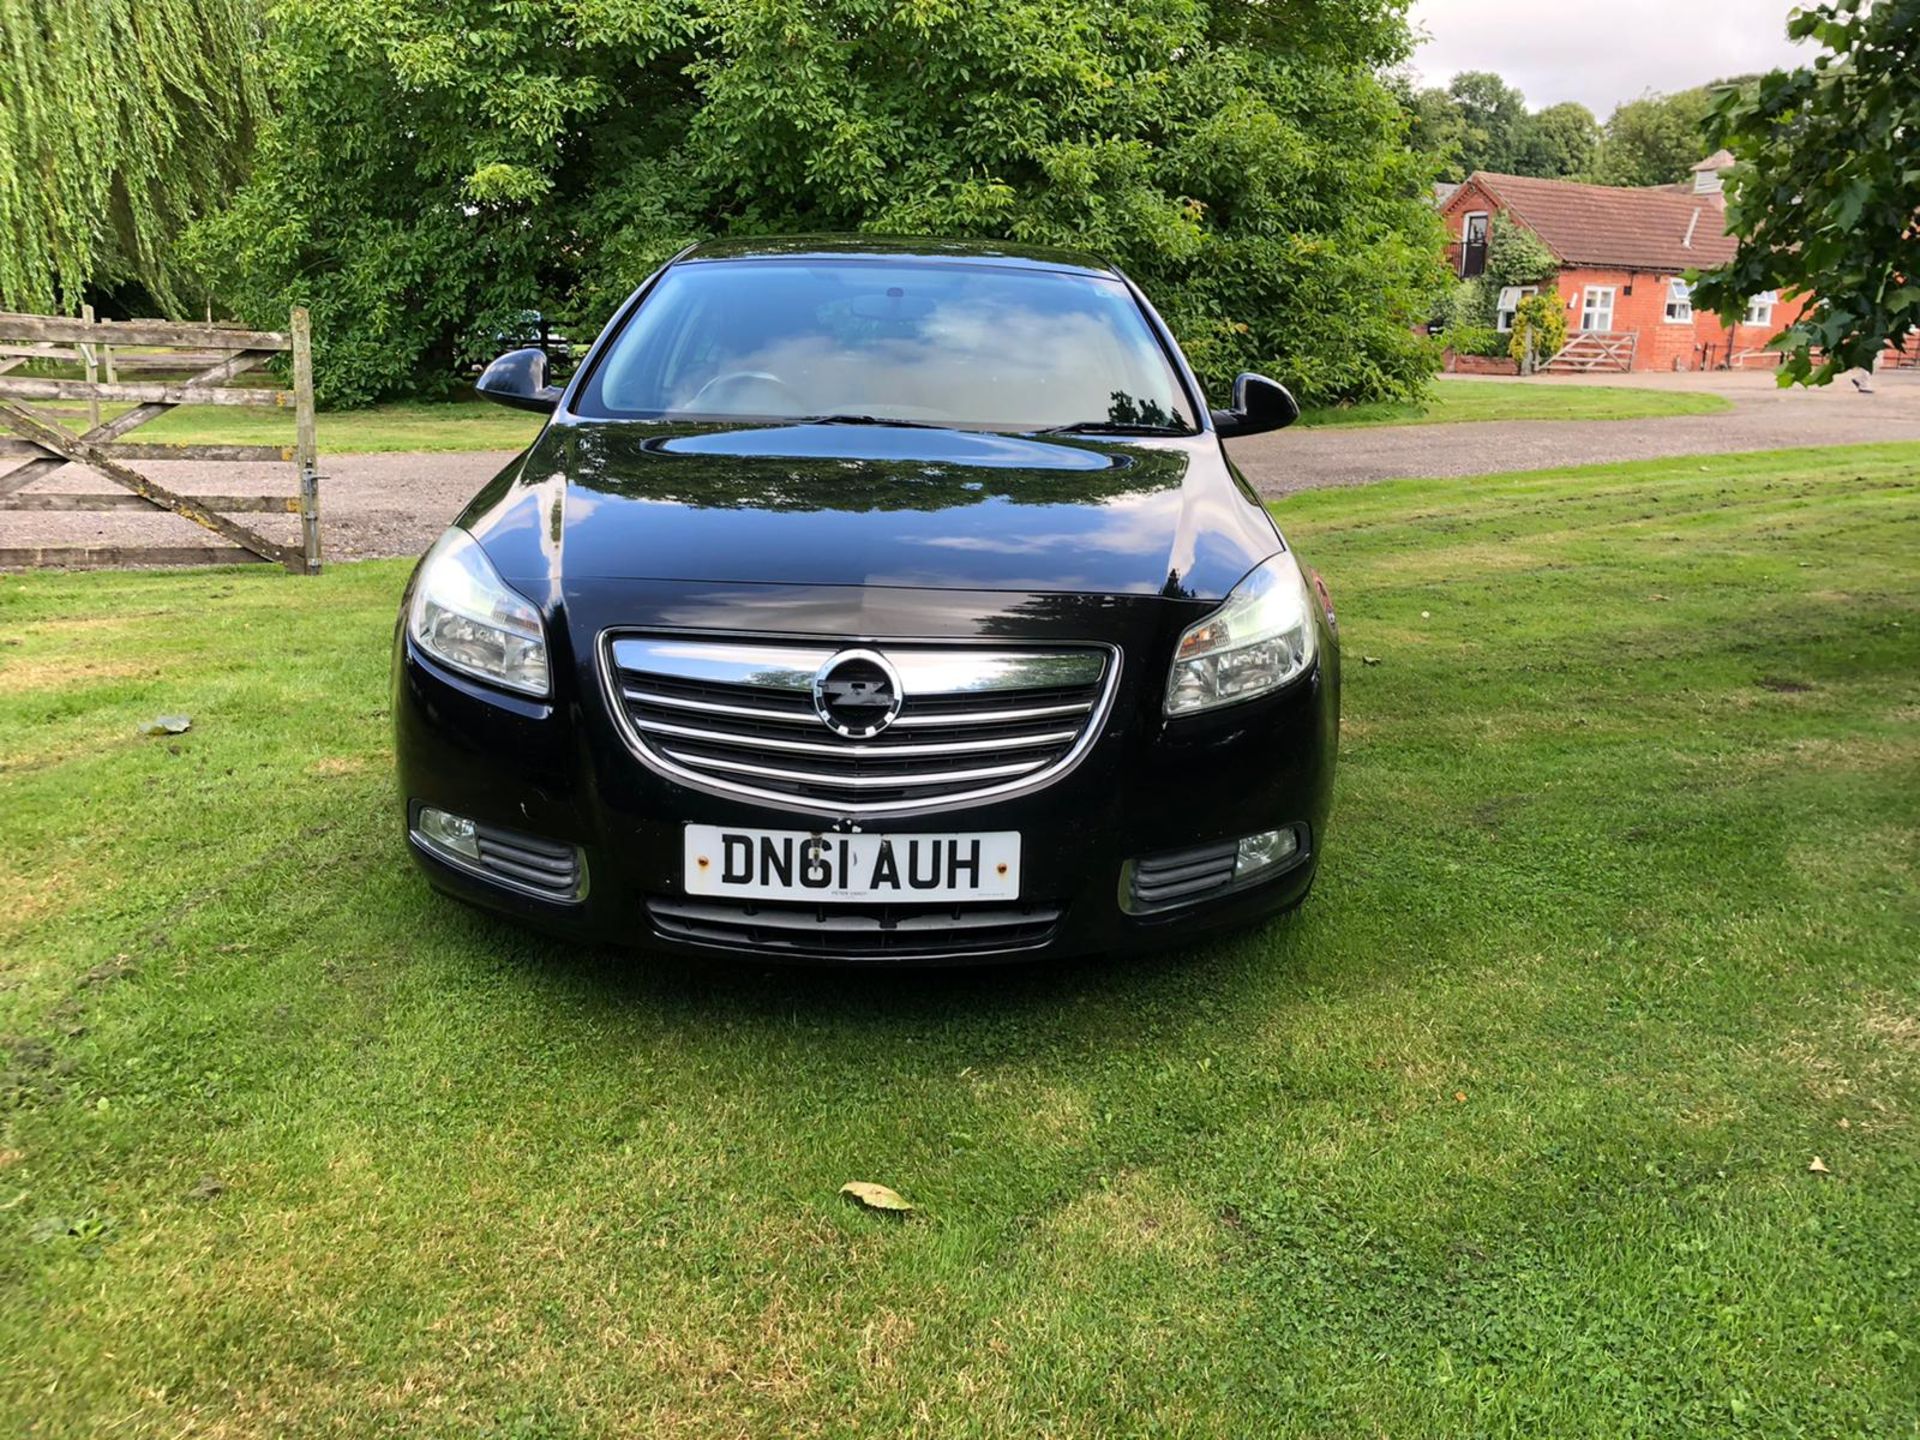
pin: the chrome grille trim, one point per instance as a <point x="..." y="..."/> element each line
<point x="858" y="748"/>
<point x="792" y="667"/>
<point x="862" y="782"/>
<point x="988" y="717"/>
<point x="737" y="716"/>
<point x="706" y="707"/>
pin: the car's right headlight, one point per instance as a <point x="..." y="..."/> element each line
<point x="1261" y="637"/>
<point x="465" y="617"/>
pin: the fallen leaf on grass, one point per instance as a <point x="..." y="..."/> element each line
<point x="875" y="1197"/>
<point x="167" y="725"/>
<point x="1370" y="659"/>
<point x="1819" y="1166"/>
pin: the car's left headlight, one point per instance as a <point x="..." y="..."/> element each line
<point x="1261" y="637"/>
<point x="465" y="617"/>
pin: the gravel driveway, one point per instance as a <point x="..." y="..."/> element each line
<point x="1763" y="417"/>
<point x="370" y="505"/>
<point x="382" y="505"/>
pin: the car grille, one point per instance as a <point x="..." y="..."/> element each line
<point x="1180" y="877"/>
<point x="880" y="932"/>
<point x="971" y="721"/>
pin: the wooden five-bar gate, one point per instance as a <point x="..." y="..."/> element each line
<point x="41" y="441"/>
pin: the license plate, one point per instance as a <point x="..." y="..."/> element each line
<point x="805" y="865"/>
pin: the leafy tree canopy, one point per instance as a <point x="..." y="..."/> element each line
<point x="119" y="121"/>
<point x="1494" y="117"/>
<point x="1479" y="122"/>
<point x="1559" y="141"/>
<point x="1654" y="140"/>
<point x="1825" y="196"/>
<point x="436" y="170"/>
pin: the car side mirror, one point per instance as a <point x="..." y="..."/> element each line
<point x="1259" y="405"/>
<point x="519" y="378"/>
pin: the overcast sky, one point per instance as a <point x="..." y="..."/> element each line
<point x="1601" y="52"/>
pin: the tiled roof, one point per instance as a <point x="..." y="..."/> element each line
<point x="1661" y="228"/>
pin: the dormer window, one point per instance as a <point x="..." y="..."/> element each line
<point x="1679" y="302"/>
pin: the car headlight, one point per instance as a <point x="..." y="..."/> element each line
<point x="465" y="617"/>
<point x="1261" y="637"/>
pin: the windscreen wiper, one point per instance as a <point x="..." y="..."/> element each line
<point x="1112" y="427"/>
<point x="867" y="420"/>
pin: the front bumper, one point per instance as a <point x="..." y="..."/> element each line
<point x="562" y="772"/>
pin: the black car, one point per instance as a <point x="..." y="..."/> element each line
<point x="864" y="600"/>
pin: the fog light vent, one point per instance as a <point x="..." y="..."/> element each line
<point x="1175" y="878"/>
<point x="548" y="869"/>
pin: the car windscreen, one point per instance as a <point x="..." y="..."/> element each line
<point x="965" y="345"/>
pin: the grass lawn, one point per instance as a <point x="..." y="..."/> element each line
<point x="482" y="425"/>
<point x="419" y="425"/>
<point x="1506" y="1132"/>
<point x="1544" y="399"/>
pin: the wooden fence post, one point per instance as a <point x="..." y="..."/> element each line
<point x="305" y="440"/>
<point x="91" y="355"/>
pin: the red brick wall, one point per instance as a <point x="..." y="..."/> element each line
<point x="1465" y="201"/>
<point x="1661" y="346"/>
<point x="1664" y="345"/>
<point x="1455" y="364"/>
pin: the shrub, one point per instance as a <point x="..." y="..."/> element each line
<point x="432" y="171"/>
<point x="1539" y="330"/>
<point x="1517" y="257"/>
<point x="1469" y="305"/>
<point x="1476" y="340"/>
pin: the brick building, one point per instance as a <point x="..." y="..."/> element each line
<point x="1623" y="255"/>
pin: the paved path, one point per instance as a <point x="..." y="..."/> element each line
<point x="1763" y="417"/>
<point x="375" y="505"/>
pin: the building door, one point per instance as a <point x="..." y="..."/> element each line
<point x="1473" y="245"/>
<point x="1597" y="311"/>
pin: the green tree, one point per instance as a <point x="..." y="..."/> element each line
<point x="435" y="170"/>
<point x="1558" y="142"/>
<point x="1495" y="121"/>
<point x="1827" y="187"/>
<point x="1436" y="129"/>
<point x="1479" y="122"/>
<point x="120" y="120"/>
<point x="1654" y="140"/>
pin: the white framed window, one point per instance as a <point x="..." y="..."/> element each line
<point x="1510" y="298"/>
<point x="1596" y="309"/>
<point x="1679" y="302"/>
<point x="1760" y="308"/>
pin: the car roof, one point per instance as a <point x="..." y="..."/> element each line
<point x="892" y="247"/>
